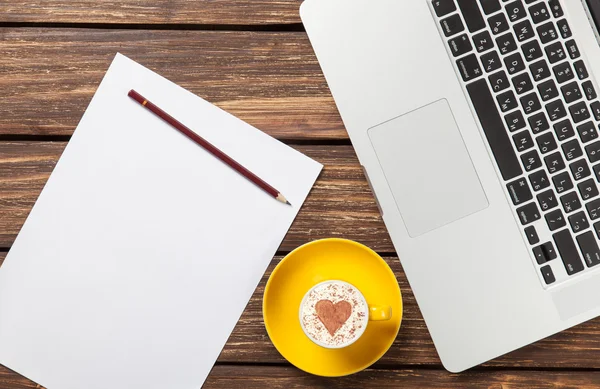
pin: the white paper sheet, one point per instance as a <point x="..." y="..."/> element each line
<point x="143" y="249"/>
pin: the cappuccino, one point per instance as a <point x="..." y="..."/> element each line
<point x="334" y="314"/>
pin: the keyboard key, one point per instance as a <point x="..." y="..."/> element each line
<point x="549" y="251"/>
<point x="554" y="162"/>
<point x="491" y="61"/>
<point x="588" y="189"/>
<point x="564" y="29"/>
<point x="578" y="222"/>
<point x="469" y="67"/>
<point x="519" y="191"/>
<point x="490" y="6"/>
<point x="506" y="43"/>
<point x="472" y="15"/>
<point x="531" y="160"/>
<point x="443" y="7"/>
<point x="579" y="112"/>
<point x="492" y="125"/>
<point x="555" y="52"/>
<point x="530" y="103"/>
<point x="546" y="143"/>
<point x="572" y="49"/>
<point x="568" y="252"/>
<point x="556" y="110"/>
<point x="514" y="63"/>
<point x="507" y="101"/>
<point x="483" y="41"/>
<point x="515" y="11"/>
<point x="539" y="13"/>
<point x="522" y="83"/>
<point x="564" y="130"/>
<point x="523" y="30"/>
<point x="588" y="89"/>
<point x="548" y="90"/>
<point x="498" y="23"/>
<point x="596" y="170"/>
<point x="499" y="81"/>
<point x="562" y="182"/>
<point x="589" y="248"/>
<point x="563" y="72"/>
<point x="587" y="132"/>
<point x="547" y="200"/>
<point x="593" y="152"/>
<point x="548" y="275"/>
<point x="528" y="213"/>
<point x="597" y="229"/>
<point x="460" y="45"/>
<point x="593" y="208"/>
<point x="570" y="202"/>
<point x="538" y="122"/>
<point x="452" y="25"/>
<point x="544" y="253"/>
<point x="514" y="121"/>
<point x="532" y="50"/>
<point x="539" y="70"/>
<point x="581" y="70"/>
<point x="580" y="169"/>
<point x="539" y="180"/>
<point x="555" y="220"/>
<point x="595" y="107"/>
<point x="572" y="150"/>
<point x="555" y="8"/>
<point x="532" y="236"/>
<point x="571" y="92"/>
<point x="547" y="32"/>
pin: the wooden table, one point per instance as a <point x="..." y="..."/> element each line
<point x="252" y="58"/>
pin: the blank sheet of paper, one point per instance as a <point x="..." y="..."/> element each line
<point x="143" y="249"/>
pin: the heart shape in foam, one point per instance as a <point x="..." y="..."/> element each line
<point x="333" y="316"/>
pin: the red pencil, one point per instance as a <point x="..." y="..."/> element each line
<point x="207" y="146"/>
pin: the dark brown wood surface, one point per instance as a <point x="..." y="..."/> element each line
<point x="252" y="58"/>
<point x="272" y="80"/>
<point x="172" y="12"/>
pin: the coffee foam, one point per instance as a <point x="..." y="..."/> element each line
<point x="335" y="292"/>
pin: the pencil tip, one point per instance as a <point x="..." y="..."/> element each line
<point x="287" y="202"/>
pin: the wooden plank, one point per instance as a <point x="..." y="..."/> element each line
<point x="271" y="80"/>
<point x="287" y="377"/>
<point x="340" y="204"/>
<point x="211" y="12"/>
<point x="277" y="377"/>
<point x="578" y="347"/>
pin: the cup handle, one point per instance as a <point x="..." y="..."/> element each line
<point x="380" y="312"/>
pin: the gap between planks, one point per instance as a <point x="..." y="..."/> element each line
<point x="292" y="27"/>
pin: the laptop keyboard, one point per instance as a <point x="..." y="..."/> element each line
<point x="530" y="88"/>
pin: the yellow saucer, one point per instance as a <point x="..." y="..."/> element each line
<point x="310" y="264"/>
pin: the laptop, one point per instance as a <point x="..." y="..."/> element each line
<point x="476" y="122"/>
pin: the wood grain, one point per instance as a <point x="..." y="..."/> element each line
<point x="276" y="377"/>
<point x="172" y="12"/>
<point x="340" y="204"/>
<point x="287" y="377"/>
<point x="271" y="80"/>
<point x="578" y="347"/>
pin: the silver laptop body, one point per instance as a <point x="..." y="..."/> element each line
<point x="470" y="160"/>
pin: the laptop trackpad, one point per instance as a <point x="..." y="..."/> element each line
<point x="428" y="168"/>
